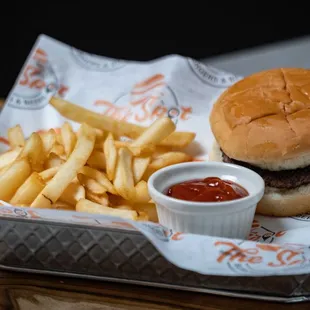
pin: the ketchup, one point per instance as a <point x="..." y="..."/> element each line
<point x="210" y="189"/>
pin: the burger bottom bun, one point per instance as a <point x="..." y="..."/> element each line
<point x="276" y="202"/>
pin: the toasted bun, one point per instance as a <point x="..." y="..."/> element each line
<point x="276" y="202"/>
<point x="264" y="119"/>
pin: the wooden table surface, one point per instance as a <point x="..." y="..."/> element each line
<point x="36" y="292"/>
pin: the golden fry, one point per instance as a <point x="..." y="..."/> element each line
<point x="118" y="128"/>
<point x="69" y="170"/>
<point x="48" y="174"/>
<point x="88" y="206"/>
<point x="34" y="150"/>
<point x="72" y="194"/>
<point x="124" y="180"/>
<point x="97" y="160"/>
<point x="48" y="140"/>
<point x="68" y="138"/>
<point x="91" y="185"/>
<point x="100" y="177"/>
<point x="13" y="178"/>
<point x="16" y="137"/>
<point x="110" y="153"/>
<point x="152" y="136"/>
<point x="28" y="191"/>
<point x="9" y="157"/>
<point x="102" y="199"/>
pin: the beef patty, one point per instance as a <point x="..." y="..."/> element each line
<point x="286" y="179"/>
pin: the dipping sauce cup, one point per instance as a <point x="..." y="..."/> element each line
<point x="230" y="218"/>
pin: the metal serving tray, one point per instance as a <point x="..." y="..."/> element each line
<point x="124" y="256"/>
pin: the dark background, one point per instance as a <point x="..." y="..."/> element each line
<point x="226" y="37"/>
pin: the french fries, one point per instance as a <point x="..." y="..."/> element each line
<point x="119" y="128"/>
<point x="92" y="170"/>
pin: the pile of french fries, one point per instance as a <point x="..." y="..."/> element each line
<point x="92" y="170"/>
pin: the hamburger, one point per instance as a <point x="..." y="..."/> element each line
<point x="262" y="122"/>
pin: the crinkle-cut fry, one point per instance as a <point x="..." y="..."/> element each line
<point x="60" y="205"/>
<point x="142" y="192"/>
<point x="88" y="206"/>
<point x="16" y="137"/>
<point x="124" y="180"/>
<point x="110" y="153"/>
<point x="91" y="185"/>
<point x="9" y="157"/>
<point x="53" y="161"/>
<point x="68" y="138"/>
<point x="97" y="160"/>
<point x="140" y="165"/>
<point x="49" y="173"/>
<point x="28" y="191"/>
<point x="100" y="177"/>
<point x="48" y="139"/>
<point x="159" y="130"/>
<point x="165" y="160"/>
<point x="34" y="150"/>
<point x="16" y="174"/>
<point x="119" y="128"/>
<point x="72" y="194"/>
<point x="69" y="170"/>
<point x="102" y="199"/>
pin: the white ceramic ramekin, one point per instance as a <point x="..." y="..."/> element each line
<point x="231" y="219"/>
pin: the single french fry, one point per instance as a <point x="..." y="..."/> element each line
<point x="9" y="157"/>
<point x="60" y="205"/>
<point x="53" y="161"/>
<point x="68" y="138"/>
<point x="28" y="191"/>
<point x="165" y="160"/>
<point x="124" y="180"/>
<point x="102" y="199"/>
<point x="88" y="206"/>
<point x="110" y="153"/>
<point x="69" y="170"/>
<point x="48" y="140"/>
<point x="140" y="165"/>
<point x="72" y="194"/>
<point x="91" y="185"/>
<point x="97" y="160"/>
<point x="100" y="177"/>
<point x="48" y="174"/>
<point x="16" y="137"/>
<point x="34" y="150"/>
<point x="142" y="193"/>
<point x="118" y="128"/>
<point x="158" y="131"/>
<point x="13" y="178"/>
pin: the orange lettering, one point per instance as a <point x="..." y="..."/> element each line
<point x="177" y="236"/>
<point x="280" y="233"/>
<point x="39" y="84"/>
<point x="159" y="112"/>
<point x="185" y="113"/>
<point x="33" y="214"/>
<point x="145" y="114"/>
<point x="268" y="247"/>
<point x="29" y="71"/>
<point x="62" y="90"/>
<point x="284" y="258"/>
<point x="235" y="253"/>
